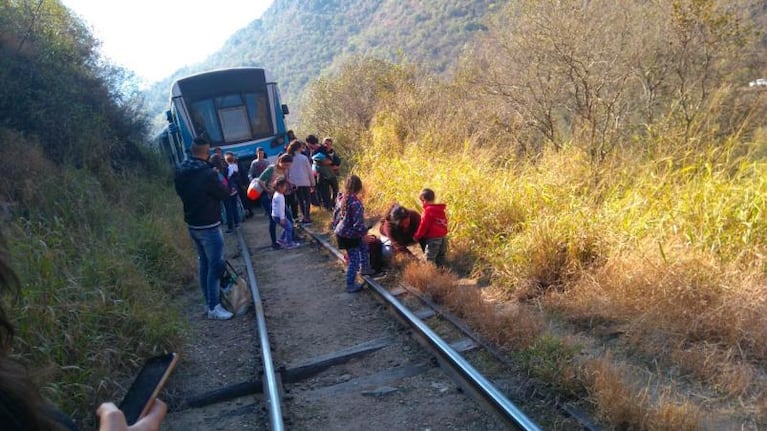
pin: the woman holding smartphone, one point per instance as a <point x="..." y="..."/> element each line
<point x="22" y="407"/>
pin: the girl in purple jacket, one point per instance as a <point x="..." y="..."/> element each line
<point x="349" y="228"/>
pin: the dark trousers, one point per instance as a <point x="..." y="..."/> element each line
<point x="247" y="204"/>
<point x="272" y="223"/>
<point x="291" y="203"/>
<point x="230" y="205"/>
<point x="303" y="195"/>
<point x="323" y="191"/>
<point x="266" y="203"/>
<point x="333" y="191"/>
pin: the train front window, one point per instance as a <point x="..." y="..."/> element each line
<point x="233" y="118"/>
<point x="234" y="123"/>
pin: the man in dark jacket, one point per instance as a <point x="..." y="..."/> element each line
<point x="334" y="162"/>
<point x="201" y="191"/>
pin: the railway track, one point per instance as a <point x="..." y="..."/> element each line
<point x="332" y="360"/>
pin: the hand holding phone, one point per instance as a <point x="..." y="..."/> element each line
<point x="147" y="385"/>
<point x="112" y="419"/>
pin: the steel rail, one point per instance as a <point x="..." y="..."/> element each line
<point x="467" y="376"/>
<point x="271" y="385"/>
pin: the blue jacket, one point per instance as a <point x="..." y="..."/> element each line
<point x="201" y="192"/>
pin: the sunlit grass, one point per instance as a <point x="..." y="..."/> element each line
<point x="669" y="251"/>
<point x="99" y="266"/>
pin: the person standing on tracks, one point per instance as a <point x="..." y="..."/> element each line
<point x="324" y="174"/>
<point x="399" y="226"/>
<point x="349" y="228"/>
<point x="312" y="145"/>
<point x="432" y="231"/>
<point x="197" y="184"/>
<point x="267" y="179"/>
<point x="257" y="166"/>
<point x="279" y="209"/>
<point x="232" y="204"/>
<point x="301" y="176"/>
<point x="333" y="161"/>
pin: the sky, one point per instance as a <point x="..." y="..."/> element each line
<point x="155" y="38"/>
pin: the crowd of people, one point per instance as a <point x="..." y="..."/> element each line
<point x="205" y="183"/>
<point x="304" y="175"/>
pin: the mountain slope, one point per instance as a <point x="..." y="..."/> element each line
<point x="300" y="40"/>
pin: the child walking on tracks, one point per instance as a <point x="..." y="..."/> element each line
<point x="279" y="215"/>
<point x="349" y="228"/>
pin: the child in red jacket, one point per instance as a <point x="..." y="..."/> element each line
<point x="432" y="231"/>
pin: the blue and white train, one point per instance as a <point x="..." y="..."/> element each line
<point x="237" y="109"/>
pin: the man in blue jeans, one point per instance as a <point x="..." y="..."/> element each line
<point x="201" y="191"/>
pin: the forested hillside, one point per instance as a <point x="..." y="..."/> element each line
<point x="301" y="40"/>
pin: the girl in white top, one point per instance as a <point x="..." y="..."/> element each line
<point x="280" y="217"/>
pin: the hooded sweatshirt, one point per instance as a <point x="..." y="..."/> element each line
<point x="201" y="192"/>
<point x="433" y="223"/>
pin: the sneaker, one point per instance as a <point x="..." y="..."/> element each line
<point x="353" y="289"/>
<point x="219" y="313"/>
<point x="276" y="246"/>
<point x="230" y="230"/>
<point x="282" y="243"/>
<point x="292" y="245"/>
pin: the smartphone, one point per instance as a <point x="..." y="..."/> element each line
<point x="147" y="386"/>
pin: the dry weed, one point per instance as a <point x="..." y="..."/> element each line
<point x="627" y="405"/>
<point x="435" y="282"/>
<point x="719" y="369"/>
<point x="506" y="325"/>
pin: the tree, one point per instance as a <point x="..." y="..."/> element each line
<point x="599" y="72"/>
<point x="345" y="104"/>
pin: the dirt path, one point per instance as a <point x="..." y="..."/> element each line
<point x="310" y="316"/>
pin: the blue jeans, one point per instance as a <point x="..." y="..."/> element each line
<point x="210" y="256"/>
<point x="358" y="258"/>
<point x="287" y="230"/>
<point x="273" y="224"/>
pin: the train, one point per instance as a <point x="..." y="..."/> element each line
<point x="235" y="109"/>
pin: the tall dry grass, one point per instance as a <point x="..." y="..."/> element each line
<point x="667" y="251"/>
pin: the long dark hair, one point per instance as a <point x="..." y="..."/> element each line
<point x="21" y="406"/>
